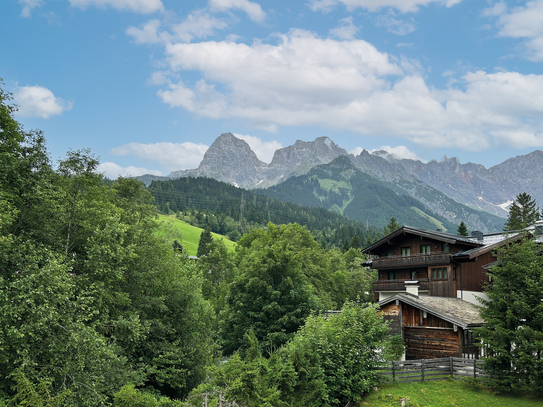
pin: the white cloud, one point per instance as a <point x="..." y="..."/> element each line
<point x="522" y="22"/>
<point x="264" y="150"/>
<point x="253" y="10"/>
<point x="305" y="80"/>
<point x="28" y="6"/>
<point x="113" y="171"/>
<point x="398" y="152"/>
<point x="394" y="25"/>
<point x="405" y="6"/>
<point x="198" y="24"/>
<point x="37" y="101"/>
<point x="171" y="156"/>
<point x="137" y="6"/>
<point x="346" y="30"/>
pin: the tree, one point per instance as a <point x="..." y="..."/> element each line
<point x="205" y="240"/>
<point x="392" y="226"/>
<point x="523" y="213"/>
<point x="462" y="229"/>
<point x="272" y="294"/>
<point x="513" y="334"/>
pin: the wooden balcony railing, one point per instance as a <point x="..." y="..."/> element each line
<point x="409" y="261"/>
<point x="398" y="285"/>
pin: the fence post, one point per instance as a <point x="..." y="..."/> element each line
<point x="422" y="369"/>
<point x="451" y="366"/>
<point x="474" y="368"/>
<point x="393" y="372"/>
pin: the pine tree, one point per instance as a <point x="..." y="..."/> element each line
<point x="355" y="242"/>
<point x="392" y="226"/>
<point x="523" y="213"/>
<point x="205" y="240"/>
<point x="462" y="229"/>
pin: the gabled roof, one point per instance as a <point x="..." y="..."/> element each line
<point x="478" y="251"/>
<point x="453" y="310"/>
<point x="430" y="234"/>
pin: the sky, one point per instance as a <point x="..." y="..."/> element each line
<point x="148" y="85"/>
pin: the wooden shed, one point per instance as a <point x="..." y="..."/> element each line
<point x="433" y="327"/>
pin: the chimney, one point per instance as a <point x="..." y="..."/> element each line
<point x="412" y="287"/>
<point x="477" y="234"/>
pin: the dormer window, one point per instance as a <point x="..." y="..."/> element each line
<point x="425" y="249"/>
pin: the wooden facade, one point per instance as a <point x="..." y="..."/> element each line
<point x="435" y="259"/>
<point x="432" y="329"/>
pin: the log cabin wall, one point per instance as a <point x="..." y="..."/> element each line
<point x="427" y="336"/>
<point x="392" y="313"/>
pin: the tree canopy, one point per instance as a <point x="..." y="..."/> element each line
<point x="462" y="229"/>
<point x="523" y="212"/>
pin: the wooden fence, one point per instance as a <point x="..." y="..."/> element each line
<point x="432" y="369"/>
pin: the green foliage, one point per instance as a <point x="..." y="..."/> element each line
<point x="129" y="396"/>
<point x="335" y="357"/>
<point x="523" y="213"/>
<point x="392" y="226"/>
<point x="513" y="333"/>
<point x="272" y="294"/>
<point x="462" y="229"/>
<point x="91" y="297"/>
<point x="205" y="240"/>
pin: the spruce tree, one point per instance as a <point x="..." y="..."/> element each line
<point x="392" y="226"/>
<point x="523" y="213"/>
<point x="462" y="229"/>
<point x="355" y="242"/>
<point x="205" y="240"/>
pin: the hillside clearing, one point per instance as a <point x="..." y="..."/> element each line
<point x="190" y="234"/>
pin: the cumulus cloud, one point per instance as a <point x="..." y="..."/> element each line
<point x="37" y="101"/>
<point x="172" y="156"/>
<point x="522" y="22"/>
<point x="264" y="150"/>
<point x="253" y="10"/>
<point x="305" y="80"/>
<point x="28" y="6"/>
<point x="113" y="171"/>
<point x="404" y="6"/>
<point x="346" y="30"/>
<point x="136" y="6"/>
<point x="398" y="152"/>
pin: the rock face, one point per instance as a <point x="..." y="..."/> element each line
<point x="231" y="160"/>
<point x="491" y="190"/>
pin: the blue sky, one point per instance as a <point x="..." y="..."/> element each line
<point x="148" y="85"/>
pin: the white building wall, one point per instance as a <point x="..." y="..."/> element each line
<point x="471" y="296"/>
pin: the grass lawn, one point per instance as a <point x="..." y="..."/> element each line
<point x="190" y="234"/>
<point x="441" y="394"/>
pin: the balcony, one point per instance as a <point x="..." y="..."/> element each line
<point x="411" y="261"/>
<point x="398" y="285"/>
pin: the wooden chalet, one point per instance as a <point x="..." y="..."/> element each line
<point x="438" y="264"/>
<point x="433" y="327"/>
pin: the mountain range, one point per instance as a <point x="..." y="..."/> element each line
<point x="439" y="185"/>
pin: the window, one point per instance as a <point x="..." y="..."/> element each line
<point x="439" y="273"/>
<point x="392" y="275"/>
<point x="445" y="248"/>
<point x="406" y="251"/>
<point x="389" y="253"/>
<point x="413" y="275"/>
<point x="425" y="249"/>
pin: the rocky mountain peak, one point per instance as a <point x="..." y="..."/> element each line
<point x="230" y="151"/>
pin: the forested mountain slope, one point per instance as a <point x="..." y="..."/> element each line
<point x="231" y="211"/>
<point x="344" y="188"/>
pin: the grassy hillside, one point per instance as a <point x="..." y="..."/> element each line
<point x="442" y="394"/>
<point x="190" y="234"/>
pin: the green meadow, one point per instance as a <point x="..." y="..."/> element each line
<point x="443" y="394"/>
<point x="190" y="235"/>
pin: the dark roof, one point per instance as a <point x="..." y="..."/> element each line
<point x="478" y="251"/>
<point x="453" y="310"/>
<point x="440" y="236"/>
